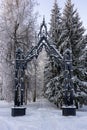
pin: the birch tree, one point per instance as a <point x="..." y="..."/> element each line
<point x="17" y="29"/>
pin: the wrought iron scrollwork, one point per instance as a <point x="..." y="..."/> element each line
<point x="19" y="77"/>
<point x="68" y="84"/>
<point x="21" y="64"/>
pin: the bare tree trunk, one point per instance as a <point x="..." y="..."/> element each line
<point x="25" y="90"/>
<point x="34" y="96"/>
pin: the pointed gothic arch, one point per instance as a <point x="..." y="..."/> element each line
<point x="21" y="64"/>
<point x="44" y="41"/>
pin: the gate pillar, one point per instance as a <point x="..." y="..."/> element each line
<point x="18" y="109"/>
<point x="68" y="109"/>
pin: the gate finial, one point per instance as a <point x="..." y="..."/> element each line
<point x="43" y="18"/>
<point x="55" y="1"/>
<point x="43" y="29"/>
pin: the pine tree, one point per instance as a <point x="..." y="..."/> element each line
<point x="55" y="34"/>
<point x="54" y="84"/>
<point x="72" y="27"/>
<point x="47" y="74"/>
<point x="55" y="25"/>
<point x="81" y="79"/>
<point x="73" y="32"/>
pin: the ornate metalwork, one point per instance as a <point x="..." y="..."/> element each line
<point x="21" y="64"/>
<point x="19" y="78"/>
<point x="68" y="84"/>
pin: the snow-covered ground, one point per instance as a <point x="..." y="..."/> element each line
<point x="41" y="115"/>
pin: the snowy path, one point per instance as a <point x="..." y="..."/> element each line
<point x="41" y="115"/>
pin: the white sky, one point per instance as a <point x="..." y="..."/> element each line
<point x="45" y="7"/>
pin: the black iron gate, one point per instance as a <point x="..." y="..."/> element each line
<point x="21" y="64"/>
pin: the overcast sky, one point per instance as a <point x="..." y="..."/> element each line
<point x="45" y="7"/>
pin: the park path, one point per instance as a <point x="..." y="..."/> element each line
<point x="41" y="115"/>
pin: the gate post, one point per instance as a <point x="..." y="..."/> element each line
<point x="18" y="109"/>
<point x="68" y="96"/>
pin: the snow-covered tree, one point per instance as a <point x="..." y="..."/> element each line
<point x="17" y="29"/>
<point x="47" y="74"/>
<point x="72" y="35"/>
<point x="72" y="28"/>
<point x="55" y="33"/>
<point x="80" y="80"/>
<point x="73" y="32"/>
<point x="55" y="69"/>
<point x="19" y="22"/>
<point x="55" y="25"/>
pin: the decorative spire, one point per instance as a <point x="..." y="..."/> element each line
<point x="43" y="29"/>
<point x="55" y="1"/>
<point x="43" y="18"/>
<point x="69" y="2"/>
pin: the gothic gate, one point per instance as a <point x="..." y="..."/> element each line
<point x="21" y="64"/>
